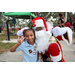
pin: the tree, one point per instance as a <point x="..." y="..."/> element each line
<point x="70" y="15"/>
<point x="48" y="15"/>
<point x="1" y="21"/>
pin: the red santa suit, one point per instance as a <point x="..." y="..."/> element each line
<point x="53" y="49"/>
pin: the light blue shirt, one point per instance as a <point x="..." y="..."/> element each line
<point x="29" y="53"/>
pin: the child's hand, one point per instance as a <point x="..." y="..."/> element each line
<point x="20" y="41"/>
<point x="40" y="57"/>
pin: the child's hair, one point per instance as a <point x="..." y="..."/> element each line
<point x="30" y="30"/>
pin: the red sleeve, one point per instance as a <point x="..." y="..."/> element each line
<point x="59" y="38"/>
<point x="53" y="49"/>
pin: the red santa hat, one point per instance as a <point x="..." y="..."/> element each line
<point x="39" y="22"/>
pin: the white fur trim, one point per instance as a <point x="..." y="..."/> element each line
<point x="57" y="31"/>
<point x="69" y="32"/>
<point x="39" y="23"/>
<point x="19" y="33"/>
<point x="24" y="28"/>
<point x="56" y="58"/>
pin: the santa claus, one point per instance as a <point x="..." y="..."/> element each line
<point x="47" y="38"/>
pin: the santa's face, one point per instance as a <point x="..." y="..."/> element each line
<point x="40" y="32"/>
<point x="42" y="39"/>
<point x="39" y="28"/>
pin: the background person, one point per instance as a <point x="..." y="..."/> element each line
<point x="61" y="20"/>
<point x="67" y="24"/>
<point x="74" y="26"/>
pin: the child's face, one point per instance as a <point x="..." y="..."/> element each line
<point x="29" y="36"/>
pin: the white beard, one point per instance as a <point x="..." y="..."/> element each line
<point x="42" y="40"/>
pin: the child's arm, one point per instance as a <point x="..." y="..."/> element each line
<point x="13" y="49"/>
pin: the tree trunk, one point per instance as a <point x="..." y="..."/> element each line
<point x="69" y="15"/>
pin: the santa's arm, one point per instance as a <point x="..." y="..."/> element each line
<point x="59" y="38"/>
<point x="64" y="34"/>
<point x="68" y="36"/>
<point x="55" y="52"/>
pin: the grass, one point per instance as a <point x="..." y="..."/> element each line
<point x="3" y="37"/>
<point x="6" y="46"/>
<point x="73" y="36"/>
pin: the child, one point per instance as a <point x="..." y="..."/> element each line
<point x="27" y="45"/>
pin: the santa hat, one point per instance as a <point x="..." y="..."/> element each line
<point x="39" y="22"/>
<point x="69" y="32"/>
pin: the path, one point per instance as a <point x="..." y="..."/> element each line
<point x="11" y="56"/>
<point x="68" y="52"/>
